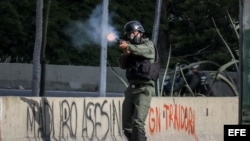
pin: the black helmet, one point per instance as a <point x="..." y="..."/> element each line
<point x="133" y="25"/>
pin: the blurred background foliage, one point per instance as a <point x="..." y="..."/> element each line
<point x="186" y="25"/>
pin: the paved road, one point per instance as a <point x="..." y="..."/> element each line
<point x="20" y="92"/>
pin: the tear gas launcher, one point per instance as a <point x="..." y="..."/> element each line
<point x="118" y="40"/>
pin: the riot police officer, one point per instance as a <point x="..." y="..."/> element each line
<point x="138" y="55"/>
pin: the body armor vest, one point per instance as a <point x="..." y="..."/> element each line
<point x="138" y="68"/>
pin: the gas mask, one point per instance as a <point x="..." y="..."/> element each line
<point x="135" y="39"/>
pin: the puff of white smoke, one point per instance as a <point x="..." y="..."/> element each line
<point x="90" y="31"/>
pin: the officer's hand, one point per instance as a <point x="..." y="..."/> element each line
<point x="123" y="45"/>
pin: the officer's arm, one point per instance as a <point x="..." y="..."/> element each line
<point x="146" y="50"/>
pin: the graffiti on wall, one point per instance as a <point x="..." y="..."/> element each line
<point x="97" y="120"/>
<point x="171" y="116"/>
<point x="89" y="120"/>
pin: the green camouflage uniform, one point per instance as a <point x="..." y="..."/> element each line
<point x="138" y="94"/>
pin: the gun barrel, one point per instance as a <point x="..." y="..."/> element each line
<point x="118" y="40"/>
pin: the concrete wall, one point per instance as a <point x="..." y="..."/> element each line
<point x="60" y="77"/>
<point x="79" y="78"/>
<point x="94" y="119"/>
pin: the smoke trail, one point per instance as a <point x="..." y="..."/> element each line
<point x="88" y="32"/>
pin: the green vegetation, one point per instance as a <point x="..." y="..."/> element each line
<point x="186" y="25"/>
